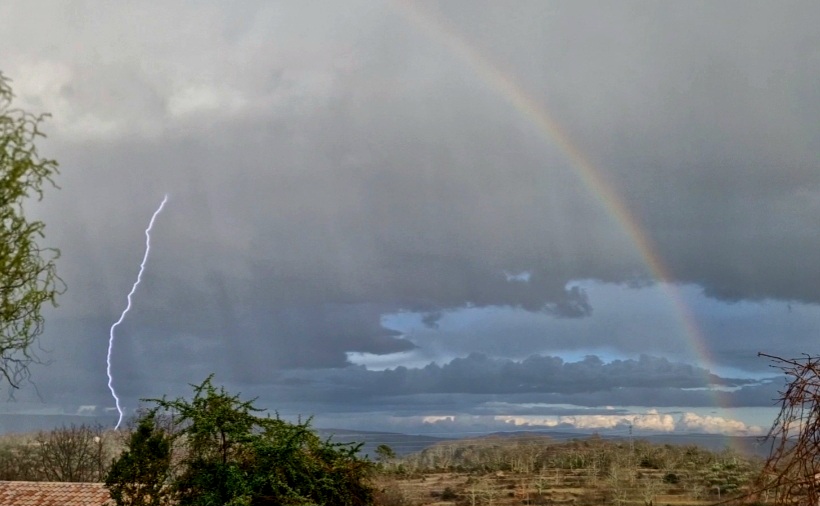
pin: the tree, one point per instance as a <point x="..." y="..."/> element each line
<point x="75" y="453"/>
<point x="384" y="454"/>
<point x="229" y="454"/>
<point x="28" y="277"/>
<point x="140" y="476"/>
<point x="792" y="471"/>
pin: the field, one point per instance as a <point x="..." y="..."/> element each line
<point x="499" y="471"/>
<point x="517" y="469"/>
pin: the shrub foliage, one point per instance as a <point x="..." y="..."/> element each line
<point x="225" y="451"/>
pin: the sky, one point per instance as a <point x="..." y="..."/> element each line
<point x="429" y="217"/>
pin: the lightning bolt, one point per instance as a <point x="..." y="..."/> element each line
<point x="128" y="308"/>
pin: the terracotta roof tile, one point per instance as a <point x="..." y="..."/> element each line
<point x="33" y="493"/>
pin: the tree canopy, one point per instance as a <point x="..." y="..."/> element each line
<point x="28" y="277"/>
<point x="139" y="476"/>
<point x="225" y="451"/>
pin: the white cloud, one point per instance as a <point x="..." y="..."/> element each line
<point x="87" y="409"/>
<point x="376" y="362"/>
<point x="38" y="86"/>
<point x="518" y="277"/>
<point x="652" y="421"/>
<point x="693" y="422"/>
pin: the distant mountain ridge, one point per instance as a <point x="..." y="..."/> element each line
<point x="404" y="444"/>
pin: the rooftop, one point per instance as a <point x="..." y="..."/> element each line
<point x="34" y="493"/>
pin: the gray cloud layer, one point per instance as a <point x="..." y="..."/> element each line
<point x="330" y="165"/>
<point x="648" y="381"/>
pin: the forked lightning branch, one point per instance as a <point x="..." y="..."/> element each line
<point x="128" y="308"/>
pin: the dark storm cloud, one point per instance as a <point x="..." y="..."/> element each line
<point x="648" y="381"/>
<point x="701" y="116"/>
<point x="290" y="258"/>
<point x="328" y="166"/>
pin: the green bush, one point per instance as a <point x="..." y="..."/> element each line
<point x="671" y="478"/>
<point x="222" y="452"/>
<point x="449" y="494"/>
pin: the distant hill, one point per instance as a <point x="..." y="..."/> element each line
<point x="404" y="444"/>
<point x="19" y="423"/>
<point x="747" y="445"/>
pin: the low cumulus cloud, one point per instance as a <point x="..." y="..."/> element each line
<point x="478" y="373"/>
<point x="651" y="421"/>
<point x="87" y="410"/>
<point x="716" y="424"/>
<point x="611" y="422"/>
<point x="492" y="386"/>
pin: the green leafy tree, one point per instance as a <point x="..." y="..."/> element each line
<point x="141" y="474"/>
<point x="230" y="454"/>
<point x="384" y="453"/>
<point x="28" y="277"/>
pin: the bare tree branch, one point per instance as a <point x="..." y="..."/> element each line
<point x="792" y="471"/>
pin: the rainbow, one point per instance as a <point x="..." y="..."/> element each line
<point x="590" y="176"/>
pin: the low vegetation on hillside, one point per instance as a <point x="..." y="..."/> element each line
<point x="493" y="470"/>
<point x="72" y="453"/>
<point x="537" y="470"/>
<point x="217" y="448"/>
